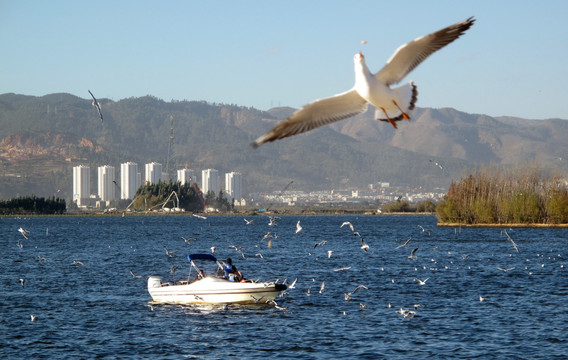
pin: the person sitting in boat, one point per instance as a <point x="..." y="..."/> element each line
<point x="200" y="275"/>
<point x="231" y="272"/>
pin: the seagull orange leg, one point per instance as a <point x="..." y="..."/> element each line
<point x="404" y="115"/>
<point x="389" y="119"/>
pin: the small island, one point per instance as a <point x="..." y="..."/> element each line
<point x="524" y="196"/>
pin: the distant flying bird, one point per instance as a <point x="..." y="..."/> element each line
<point x="350" y="294"/>
<point x="511" y="240"/>
<point x="169" y="253"/>
<point x="423" y="229"/>
<point x="248" y="222"/>
<point x="405" y="243"/>
<point x="213" y="248"/>
<point x="272" y="220"/>
<point x="256" y="300"/>
<point x="293" y="284"/>
<point x="22" y="281"/>
<point x="77" y="263"/>
<point x="412" y="255"/>
<point x="135" y="276"/>
<point x="321" y="243"/>
<point x="391" y="104"/>
<point x="33" y="317"/>
<point x="348" y="224"/>
<point x="505" y="270"/>
<point x="329" y="252"/>
<point x="188" y="240"/>
<point x="421" y="282"/>
<point x="96" y="104"/>
<point x="322" y="287"/>
<point x="20" y="245"/>
<point x="298" y="227"/>
<point x="364" y="246"/>
<point x="40" y="258"/>
<point x="343" y="268"/>
<point x="24" y="232"/>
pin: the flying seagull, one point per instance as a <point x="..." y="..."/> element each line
<point x="405" y="243"/>
<point x="348" y="224"/>
<point x="350" y="294"/>
<point x="96" y="104"/>
<point x="391" y="104"/>
<point x="421" y="282"/>
<point x="298" y="227"/>
<point x="364" y="245"/>
<point x="512" y="242"/>
<point x="24" y="232"/>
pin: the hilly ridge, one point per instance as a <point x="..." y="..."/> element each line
<point x="59" y="131"/>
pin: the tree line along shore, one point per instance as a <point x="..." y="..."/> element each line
<point x="491" y="196"/>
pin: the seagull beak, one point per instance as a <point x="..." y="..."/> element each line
<point x="361" y="55"/>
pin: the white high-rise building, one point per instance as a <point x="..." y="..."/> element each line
<point x="81" y="185"/>
<point x="129" y="180"/>
<point x="210" y="181"/>
<point x="233" y="186"/>
<point x="106" y="183"/>
<point x="186" y="176"/>
<point x="152" y="173"/>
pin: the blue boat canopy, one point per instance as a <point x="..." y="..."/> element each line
<point x="201" y="257"/>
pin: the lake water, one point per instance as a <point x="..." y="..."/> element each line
<point x="98" y="310"/>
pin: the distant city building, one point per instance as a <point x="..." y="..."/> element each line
<point x="81" y="185"/>
<point x="106" y="182"/>
<point x="152" y="173"/>
<point x="233" y="186"/>
<point x="186" y="176"/>
<point x="210" y="181"/>
<point x="129" y="180"/>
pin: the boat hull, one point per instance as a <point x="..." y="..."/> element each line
<point x="212" y="290"/>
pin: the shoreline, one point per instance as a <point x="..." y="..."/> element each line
<point x="504" y="225"/>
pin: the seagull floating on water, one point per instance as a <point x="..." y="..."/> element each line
<point x="96" y="104"/>
<point x="391" y="104"/>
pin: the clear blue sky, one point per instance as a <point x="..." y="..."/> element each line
<point x="513" y="61"/>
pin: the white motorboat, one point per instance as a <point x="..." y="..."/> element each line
<point x="212" y="289"/>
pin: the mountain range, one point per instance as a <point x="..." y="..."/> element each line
<point x="42" y="138"/>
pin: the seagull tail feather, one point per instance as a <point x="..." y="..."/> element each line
<point x="406" y="97"/>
